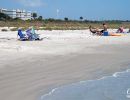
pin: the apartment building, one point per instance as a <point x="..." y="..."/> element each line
<point x="21" y="14"/>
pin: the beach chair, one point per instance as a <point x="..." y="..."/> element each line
<point x="32" y="35"/>
<point x="35" y="36"/>
<point x="22" y="36"/>
<point x="29" y="34"/>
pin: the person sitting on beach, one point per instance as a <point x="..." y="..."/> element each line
<point x="104" y="28"/>
<point x="120" y="30"/>
<point x="97" y="31"/>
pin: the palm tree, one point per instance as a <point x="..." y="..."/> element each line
<point x="34" y="15"/>
<point x="40" y="18"/>
<point x="81" y="18"/>
<point x="66" y="19"/>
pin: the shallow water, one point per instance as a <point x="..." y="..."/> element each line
<point x="116" y="87"/>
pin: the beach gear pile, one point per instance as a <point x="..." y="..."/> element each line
<point x="29" y="35"/>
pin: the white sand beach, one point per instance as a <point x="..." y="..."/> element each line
<point x="30" y="69"/>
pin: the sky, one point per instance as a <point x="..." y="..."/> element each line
<point x="73" y="9"/>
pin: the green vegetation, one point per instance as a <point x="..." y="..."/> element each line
<point x="34" y="15"/>
<point x="58" y="24"/>
<point x="4" y="17"/>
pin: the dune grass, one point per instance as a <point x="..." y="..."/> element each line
<point x="58" y="25"/>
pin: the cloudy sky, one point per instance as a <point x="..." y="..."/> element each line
<point x="73" y="9"/>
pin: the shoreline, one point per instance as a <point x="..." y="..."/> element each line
<point x="114" y="75"/>
<point x="60" y="60"/>
<point x="94" y="74"/>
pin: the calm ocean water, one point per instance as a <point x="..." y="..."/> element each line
<point x="116" y="87"/>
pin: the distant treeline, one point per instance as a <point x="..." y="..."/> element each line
<point x="59" y="24"/>
<point x="4" y="17"/>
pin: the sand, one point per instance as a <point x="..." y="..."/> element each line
<point x="30" y="69"/>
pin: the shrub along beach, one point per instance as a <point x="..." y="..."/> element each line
<point x="59" y="24"/>
<point x="53" y="24"/>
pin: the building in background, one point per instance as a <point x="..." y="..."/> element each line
<point x="21" y="14"/>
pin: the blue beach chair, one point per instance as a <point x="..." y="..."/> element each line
<point x="29" y="34"/>
<point x="22" y="36"/>
<point x="32" y="34"/>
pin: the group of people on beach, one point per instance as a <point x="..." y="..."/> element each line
<point x="29" y="34"/>
<point x="96" y="31"/>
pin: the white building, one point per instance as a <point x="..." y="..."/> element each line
<point x="21" y="14"/>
